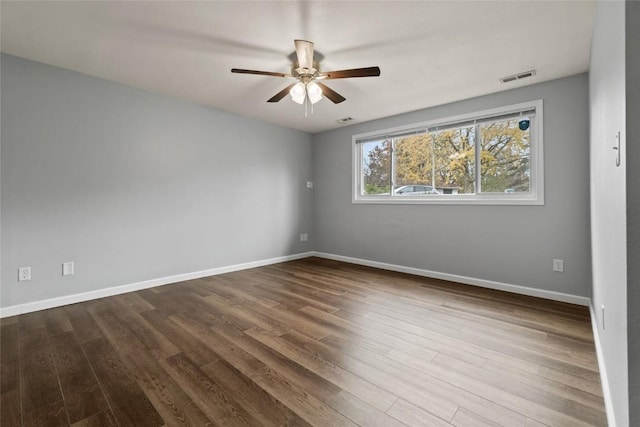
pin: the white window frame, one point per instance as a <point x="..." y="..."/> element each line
<point x="534" y="197"/>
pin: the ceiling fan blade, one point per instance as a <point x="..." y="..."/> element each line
<point x="355" y="72"/>
<point x="333" y="96"/>
<point x="262" y="73"/>
<point x="284" y="92"/>
<point x="304" y="51"/>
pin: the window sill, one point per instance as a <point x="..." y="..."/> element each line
<point x="453" y="200"/>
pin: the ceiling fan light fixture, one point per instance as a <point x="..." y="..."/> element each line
<point x="314" y="92"/>
<point x="306" y="69"/>
<point x="298" y="92"/>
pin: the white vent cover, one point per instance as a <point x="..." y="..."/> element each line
<point x="519" y="76"/>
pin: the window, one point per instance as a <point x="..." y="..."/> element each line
<point x="489" y="157"/>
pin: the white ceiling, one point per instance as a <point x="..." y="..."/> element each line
<point x="430" y="53"/>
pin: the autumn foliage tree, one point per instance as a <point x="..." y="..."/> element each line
<point x="447" y="159"/>
<point x="505" y="157"/>
<point x="377" y="168"/>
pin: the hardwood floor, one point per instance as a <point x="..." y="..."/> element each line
<point x="308" y="342"/>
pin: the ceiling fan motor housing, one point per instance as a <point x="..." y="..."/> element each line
<point x="297" y="71"/>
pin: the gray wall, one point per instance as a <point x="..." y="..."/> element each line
<point x="509" y="244"/>
<point x="633" y="205"/>
<point x="134" y="186"/>
<point x="608" y="198"/>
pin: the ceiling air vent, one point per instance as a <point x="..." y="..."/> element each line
<point x="345" y="120"/>
<point x="520" y="76"/>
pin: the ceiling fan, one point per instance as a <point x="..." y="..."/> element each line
<point x="307" y="71"/>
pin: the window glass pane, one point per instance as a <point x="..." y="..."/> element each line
<point x="413" y="161"/>
<point x="376" y="167"/>
<point x="505" y="157"/>
<point x="455" y="157"/>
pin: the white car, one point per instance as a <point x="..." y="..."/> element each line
<point x="414" y="190"/>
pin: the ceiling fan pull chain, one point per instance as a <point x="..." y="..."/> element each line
<point x="310" y="102"/>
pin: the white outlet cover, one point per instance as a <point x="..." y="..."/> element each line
<point x="67" y="268"/>
<point x="309" y="184"/>
<point x="24" y="273"/>
<point x="558" y="265"/>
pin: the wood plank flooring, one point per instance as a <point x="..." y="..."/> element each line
<point x="309" y="342"/>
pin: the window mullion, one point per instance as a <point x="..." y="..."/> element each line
<point x="478" y="149"/>
<point x="433" y="161"/>
<point x="360" y="183"/>
<point x="392" y="166"/>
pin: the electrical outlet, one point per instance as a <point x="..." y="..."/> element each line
<point x="304" y="237"/>
<point x="309" y="184"/>
<point x="24" y="273"/>
<point x="558" y="265"/>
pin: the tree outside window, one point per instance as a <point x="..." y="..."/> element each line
<point x="448" y="160"/>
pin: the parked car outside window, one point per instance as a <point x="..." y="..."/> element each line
<point x="412" y="190"/>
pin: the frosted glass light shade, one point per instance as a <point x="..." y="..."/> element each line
<point x="314" y="92"/>
<point x="298" y="93"/>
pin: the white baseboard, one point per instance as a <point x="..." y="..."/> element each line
<point x="116" y="290"/>
<point x="604" y="379"/>
<point x="522" y="290"/>
<point x="122" y="289"/>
